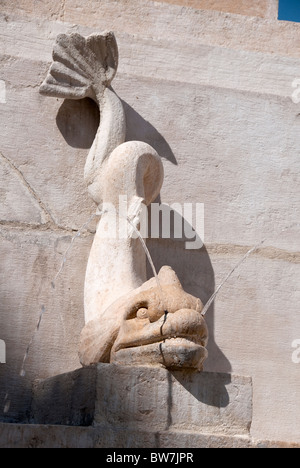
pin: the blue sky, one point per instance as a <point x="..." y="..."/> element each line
<point x="289" y="10"/>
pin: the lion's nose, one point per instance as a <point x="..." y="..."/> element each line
<point x="185" y="322"/>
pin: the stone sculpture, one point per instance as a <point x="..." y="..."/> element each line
<point x="129" y="320"/>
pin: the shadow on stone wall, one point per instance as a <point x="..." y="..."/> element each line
<point x="15" y="393"/>
<point x="210" y="389"/>
<point x="139" y="129"/>
<point x="78" y="122"/>
<point x="196" y="274"/>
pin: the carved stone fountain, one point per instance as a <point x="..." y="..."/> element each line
<point x="129" y="320"/>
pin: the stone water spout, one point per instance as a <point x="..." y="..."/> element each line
<point x="129" y="320"/>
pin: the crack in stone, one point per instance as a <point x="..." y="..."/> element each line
<point x="269" y="252"/>
<point x="63" y="11"/>
<point x="25" y="183"/>
<point x="227" y="250"/>
<point x="18" y="86"/>
<point x="47" y="227"/>
<point x="34" y="236"/>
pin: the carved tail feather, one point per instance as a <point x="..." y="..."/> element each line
<point x="82" y="66"/>
<point x="85" y="67"/>
<point x="111" y="134"/>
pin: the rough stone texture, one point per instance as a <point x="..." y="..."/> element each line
<point x="260" y="8"/>
<point x="269" y="282"/>
<point x="51" y="9"/>
<point x="41" y="436"/>
<point x="160" y="400"/>
<point x="146" y="397"/>
<point x="157" y="20"/>
<point x="18" y="202"/>
<point x="57" y="9"/>
<point x="231" y="126"/>
<point x="33" y="258"/>
<point x="67" y="399"/>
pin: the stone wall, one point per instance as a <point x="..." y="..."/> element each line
<point x="56" y="9"/>
<point x="212" y="93"/>
<point x="260" y="8"/>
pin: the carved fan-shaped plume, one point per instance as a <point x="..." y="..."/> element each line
<point x="82" y="66"/>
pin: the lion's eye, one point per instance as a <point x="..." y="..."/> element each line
<point x="142" y="314"/>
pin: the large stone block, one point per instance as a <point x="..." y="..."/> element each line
<point x="66" y="400"/>
<point x="146" y="398"/>
<point x="252" y="304"/>
<point x="46" y="9"/>
<point x="18" y="202"/>
<point x="161" y="20"/>
<point x="260" y="8"/>
<point x="45" y="436"/>
<point x="55" y="9"/>
<point x="30" y="261"/>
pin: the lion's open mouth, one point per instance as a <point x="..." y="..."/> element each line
<point x="173" y="353"/>
<point x="180" y="338"/>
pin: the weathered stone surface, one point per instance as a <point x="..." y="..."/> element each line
<point x="56" y="9"/>
<point x="18" y="202"/>
<point x="260" y="8"/>
<point x="67" y="399"/>
<point x="230" y="123"/>
<point x="40" y="436"/>
<point x="242" y="187"/>
<point x="160" y="20"/>
<point x="46" y="9"/>
<point x="160" y="400"/>
<point x="146" y="397"/>
<point x="269" y="282"/>
<point x="239" y="196"/>
<point x="64" y="201"/>
<point x="211" y="403"/>
<point x="33" y="258"/>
